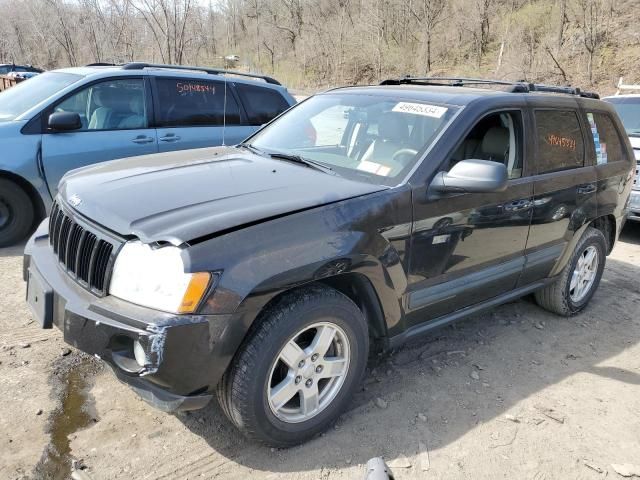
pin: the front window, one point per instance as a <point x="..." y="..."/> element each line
<point x="110" y="105"/>
<point x="628" y="109"/>
<point x="17" y="100"/>
<point x="366" y="137"/>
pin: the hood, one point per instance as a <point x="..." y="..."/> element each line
<point x="182" y="196"/>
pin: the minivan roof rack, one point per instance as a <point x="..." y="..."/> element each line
<point x="212" y="71"/>
<point x="514" y="87"/>
<point x="622" y="86"/>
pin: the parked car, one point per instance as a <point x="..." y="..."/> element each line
<point x="22" y="75"/>
<point x="70" y="118"/>
<point x="267" y="272"/>
<point x="628" y="107"/>
<point x="11" y="68"/>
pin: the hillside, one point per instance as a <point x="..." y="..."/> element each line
<point x="312" y="44"/>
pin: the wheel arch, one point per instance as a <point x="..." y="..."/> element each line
<point x="607" y="225"/>
<point x="359" y="289"/>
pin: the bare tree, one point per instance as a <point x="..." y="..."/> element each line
<point x="593" y="29"/>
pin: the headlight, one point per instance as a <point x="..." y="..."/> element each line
<point x="155" y="278"/>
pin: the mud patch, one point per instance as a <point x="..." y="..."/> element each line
<point x="71" y="379"/>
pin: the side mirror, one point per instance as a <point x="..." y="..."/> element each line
<point x="65" y="121"/>
<point x="472" y="176"/>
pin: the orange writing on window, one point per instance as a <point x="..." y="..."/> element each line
<point x="562" y="142"/>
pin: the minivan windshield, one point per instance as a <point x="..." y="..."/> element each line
<point x="628" y="109"/>
<point x="17" y="100"/>
<point x="374" y="138"/>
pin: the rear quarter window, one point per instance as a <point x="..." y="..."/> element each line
<point x="606" y="140"/>
<point x="262" y="104"/>
<point x="559" y="140"/>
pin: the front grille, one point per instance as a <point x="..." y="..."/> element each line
<point x="84" y="255"/>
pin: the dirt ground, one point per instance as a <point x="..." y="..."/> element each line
<point x="514" y="393"/>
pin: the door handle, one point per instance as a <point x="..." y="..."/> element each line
<point x="142" y="139"/>
<point x="170" y="137"/>
<point x="586" y="189"/>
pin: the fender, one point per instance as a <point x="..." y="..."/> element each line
<point x="365" y="235"/>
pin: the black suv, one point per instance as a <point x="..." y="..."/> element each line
<point x="364" y="216"/>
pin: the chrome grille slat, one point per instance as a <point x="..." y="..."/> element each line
<point x="83" y="254"/>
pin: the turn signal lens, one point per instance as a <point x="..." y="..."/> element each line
<point x="195" y="291"/>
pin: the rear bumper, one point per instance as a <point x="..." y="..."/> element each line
<point x="185" y="357"/>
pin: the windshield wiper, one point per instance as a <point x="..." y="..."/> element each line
<point x="290" y="157"/>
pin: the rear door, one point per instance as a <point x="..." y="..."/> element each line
<point x="564" y="186"/>
<point x="197" y="113"/>
<point x="115" y="124"/>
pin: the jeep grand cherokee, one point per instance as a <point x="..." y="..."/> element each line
<point x="265" y="273"/>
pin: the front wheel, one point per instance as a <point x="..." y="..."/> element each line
<point x="16" y="213"/>
<point x="298" y="369"/>
<point x="575" y="286"/>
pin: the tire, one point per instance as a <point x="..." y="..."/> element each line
<point x="16" y="213"/>
<point x="258" y="372"/>
<point x="559" y="297"/>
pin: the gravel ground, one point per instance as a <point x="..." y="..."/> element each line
<point x="514" y="393"/>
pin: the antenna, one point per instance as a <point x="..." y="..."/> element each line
<point x="224" y="113"/>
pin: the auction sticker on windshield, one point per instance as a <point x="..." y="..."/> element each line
<point x="420" y="109"/>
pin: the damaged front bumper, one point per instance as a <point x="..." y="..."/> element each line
<point x="172" y="361"/>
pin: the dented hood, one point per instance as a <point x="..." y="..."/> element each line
<point x="182" y="196"/>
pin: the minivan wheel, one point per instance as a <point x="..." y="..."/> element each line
<point x="298" y="369"/>
<point x="575" y="286"/>
<point x="16" y="213"/>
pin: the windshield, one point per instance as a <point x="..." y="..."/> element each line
<point x="17" y="100"/>
<point x="629" y="111"/>
<point x="366" y="137"/>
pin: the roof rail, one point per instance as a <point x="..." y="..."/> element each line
<point x="515" y="87"/>
<point x="101" y="64"/>
<point x="622" y="86"/>
<point x="212" y="71"/>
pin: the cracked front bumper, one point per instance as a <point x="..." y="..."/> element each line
<point x="185" y="354"/>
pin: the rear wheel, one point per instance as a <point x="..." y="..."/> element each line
<point x="299" y="369"/>
<point x="16" y="213"/>
<point x="575" y="286"/>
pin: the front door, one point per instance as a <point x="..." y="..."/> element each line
<point x="114" y="116"/>
<point x="469" y="247"/>
<point x="197" y="113"/>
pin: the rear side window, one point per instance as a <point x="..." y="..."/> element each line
<point x="184" y="102"/>
<point x="605" y="139"/>
<point x="559" y="139"/>
<point x="262" y="104"/>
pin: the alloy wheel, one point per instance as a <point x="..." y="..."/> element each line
<point x="308" y="372"/>
<point x="584" y="274"/>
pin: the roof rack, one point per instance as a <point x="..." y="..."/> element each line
<point x="101" y="64"/>
<point x="622" y="86"/>
<point x="212" y="71"/>
<point x="514" y="87"/>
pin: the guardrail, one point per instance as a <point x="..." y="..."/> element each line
<point x="8" y="82"/>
